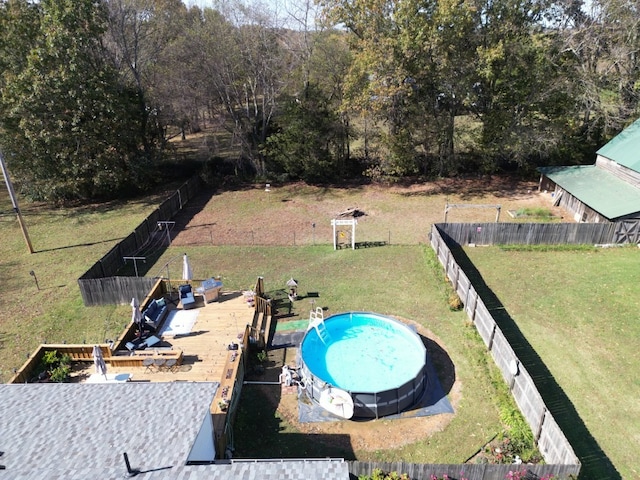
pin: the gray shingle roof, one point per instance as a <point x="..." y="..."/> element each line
<point x="80" y="431"/>
<point x="66" y="427"/>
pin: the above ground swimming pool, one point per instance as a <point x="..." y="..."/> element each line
<point x="378" y="360"/>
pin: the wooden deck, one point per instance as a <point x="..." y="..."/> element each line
<point x="205" y="352"/>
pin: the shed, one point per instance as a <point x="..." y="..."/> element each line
<point x="607" y="191"/>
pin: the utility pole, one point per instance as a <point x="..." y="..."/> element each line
<point x="14" y="202"/>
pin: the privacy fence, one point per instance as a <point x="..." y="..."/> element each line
<point x="457" y="472"/>
<point x="550" y="439"/>
<point x="99" y="285"/>
<point x="531" y="233"/>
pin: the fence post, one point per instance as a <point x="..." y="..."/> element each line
<point x="493" y="334"/>
<point x="540" y="424"/>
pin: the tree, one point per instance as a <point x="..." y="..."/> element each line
<point x="245" y="69"/>
<point x="179" y="82"/>
<point x="311" y="131"/>
<point x="413" y="70"/>
<point x="601" y="40"/>
<point x="521" y="95"/>
<point x="68" y="128"/>
<point x="308" y="139"/>
<point x="439" y="42"/>
<point x="20" y="24"/>
<point x="139" y="38"/>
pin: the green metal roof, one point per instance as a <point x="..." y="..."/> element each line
<point x="597" y="188"/>
<point x="624" y="148"/>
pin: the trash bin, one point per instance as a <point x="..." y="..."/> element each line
<point x="211" y="290"/>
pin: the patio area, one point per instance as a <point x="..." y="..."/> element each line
<point x="202" y="341"/>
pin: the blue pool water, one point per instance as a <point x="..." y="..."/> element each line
<point x="379" y="360"/>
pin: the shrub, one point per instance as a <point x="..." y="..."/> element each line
<point x="261" y="356"/>
<point x="50" y="359"/>
<point x="455" y="304"/>
<point x="60" y="374"/>
<point x="378" y="474"/>
<point x="56" y="367"/>
<point x="534" y="212"/>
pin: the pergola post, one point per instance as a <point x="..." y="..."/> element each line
<point x="352" y="222"/>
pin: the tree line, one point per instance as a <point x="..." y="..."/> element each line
<point x="92" y="90"/>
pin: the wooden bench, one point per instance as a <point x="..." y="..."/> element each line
<point x="137" y="358"/>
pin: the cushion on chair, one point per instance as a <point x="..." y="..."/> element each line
<point x="150" y="312"/>
<point x="151" y="341"/>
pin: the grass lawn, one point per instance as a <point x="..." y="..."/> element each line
<point x="400" y="279"/>
<point x="393" y="280"/>
<point x="579" y="311"/>
<point x="67" y="241"/>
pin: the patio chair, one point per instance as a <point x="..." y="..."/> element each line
<point x="158" y="363"/>
<point x="186" y="296"/>
<point x="148" y="362"/>
<point x="171" y="365"/>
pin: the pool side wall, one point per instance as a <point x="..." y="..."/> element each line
<point x="373" y="404"/>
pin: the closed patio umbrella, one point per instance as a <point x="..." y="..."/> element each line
<point x="98" y="361"/>
<point x="136" y="314"/>
<point x="187" y="274"/>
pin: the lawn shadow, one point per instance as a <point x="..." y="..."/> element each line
<point x="191" y="334"/>
<point x="595" y="463"/>
<point x="259" y="430"/>
<point x="76" y="245"/>
<point x="442" y="364"/>
<point x="152" y="250"/>
<point x="195" y="205"/>
<point x="380" y="243"/>
<point x="470" y="187"/>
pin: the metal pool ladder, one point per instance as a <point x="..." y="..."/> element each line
<point x="316" y="320"/>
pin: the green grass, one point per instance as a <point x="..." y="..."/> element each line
<point x="403" y="280"/>
<point x="579" y="311"/>
<point x="534" y="212"/>
<point x="396" y="280"/>
<point x="67" y="241"/>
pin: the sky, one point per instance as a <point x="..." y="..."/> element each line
<point x="280" y="7"/>
<point x="210" y="3"/>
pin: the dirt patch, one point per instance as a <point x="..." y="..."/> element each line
<point x="370" y="435"/>
<point x="300" y="214"/>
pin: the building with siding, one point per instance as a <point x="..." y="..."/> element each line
<point x="609" y="190"/>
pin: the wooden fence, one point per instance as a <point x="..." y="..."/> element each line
<point x="114" y="290"/>
<point x="100" y="286"/>
<point x="550" y="439"/>
<point x="78" y="353"/>
<point x="456" y="472"/>
<point x="529" y="233"/>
